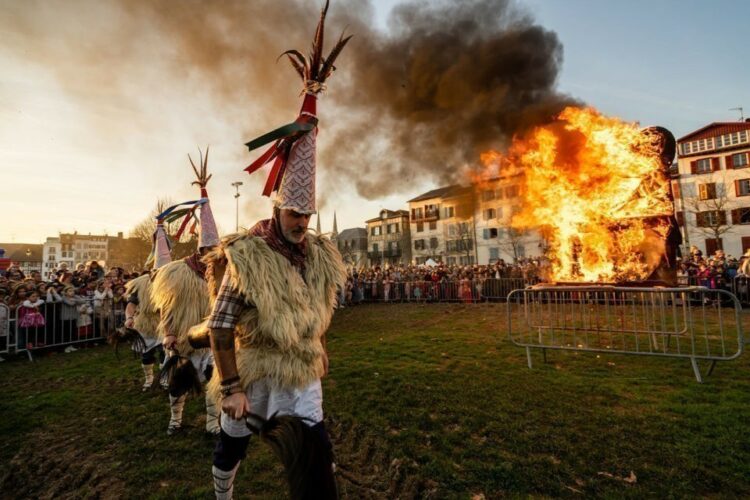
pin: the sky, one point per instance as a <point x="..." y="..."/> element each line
<point x="95" y="158"/>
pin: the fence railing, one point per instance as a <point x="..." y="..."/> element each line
<point x="467" y="291"/>
<point x="56" y="324"/>
<point x="741" y="288"/>
<point x="4" y="329"/>
<point x="695" y="323"/>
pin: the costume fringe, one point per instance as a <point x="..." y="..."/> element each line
<point x="280" y="336"/>
<point x="147" y="318"/>
<point x="182" y="298"/>
<point x="181" y="376"/>
<point x="307" y="460"/>
<point x="127" y="336"/>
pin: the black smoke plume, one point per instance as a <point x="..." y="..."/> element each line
<point x="419" y="102"/>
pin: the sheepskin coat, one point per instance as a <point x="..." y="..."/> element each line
<point x="181" y="296"/>
<point x="279" y="334"/>
<point x="147" y="317"/>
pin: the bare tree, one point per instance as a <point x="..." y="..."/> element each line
<point x="512" y="242"/>
<point x="709" y="202"/>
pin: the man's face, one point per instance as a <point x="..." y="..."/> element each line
<point x="293" y="225"/>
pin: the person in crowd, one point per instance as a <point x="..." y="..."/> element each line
<point x="31" y="322"/>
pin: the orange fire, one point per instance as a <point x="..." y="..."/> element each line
<point x="595" y="189"/>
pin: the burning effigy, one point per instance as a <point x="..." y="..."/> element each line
<point x="597" y="191"/>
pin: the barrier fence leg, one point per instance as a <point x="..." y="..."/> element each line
<point x="696" y="370"/>
<point x="544" y="355"/>
<point x="528" y="356"/>
<point x="711" y="368"/>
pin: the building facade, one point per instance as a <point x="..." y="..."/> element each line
<point x="352" y="245"/>
<point x="27" y="256"/>
<point x="52" y="257"/>
<point x="82" y="248"/>
<point x="389" y="238"/>
<point x="497" y="200"/>
<point x="712" y="188"/>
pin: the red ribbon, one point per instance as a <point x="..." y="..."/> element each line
<point x="280" y="149"/>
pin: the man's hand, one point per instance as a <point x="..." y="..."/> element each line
<point x="169" y="341"/>
<point x="235" y="405"/>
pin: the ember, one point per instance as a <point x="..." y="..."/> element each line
<point x="596" y="190"/>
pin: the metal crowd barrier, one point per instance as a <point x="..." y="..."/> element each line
<point x="741" y="288"/>
<point x="57" y="332"/>
<point x="467" y="291"/>
<point x="5" y="340"/>
<point x="692" y="323"/>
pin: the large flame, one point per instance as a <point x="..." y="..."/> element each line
<point x="596" y="190"/>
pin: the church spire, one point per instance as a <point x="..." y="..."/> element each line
<point x="335" y="226"/>
<point x="317" y="223"/>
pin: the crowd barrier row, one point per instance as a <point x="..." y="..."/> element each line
<point x="55" y="330"/>
<point x="104" y="319"/>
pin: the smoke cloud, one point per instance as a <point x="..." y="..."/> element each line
<point x="447" y="81"/>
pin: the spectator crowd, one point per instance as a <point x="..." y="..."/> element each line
<point x="88" y="302"/>
<point x="439" y="283"/>
<point x="69" y="307"/>
<point x="716" y="271"/>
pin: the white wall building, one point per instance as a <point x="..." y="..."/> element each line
<point x="712" y="189"/>
<point x="52" y="256"/>
<point x="497" y="201"/>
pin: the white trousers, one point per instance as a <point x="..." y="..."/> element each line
<point x="265" y="400"/>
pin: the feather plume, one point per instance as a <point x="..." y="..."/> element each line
<point x="317" y="46"/>
<point x="315" y="68"/>
<point x="201" y="174"/>
<point x="328" y="66"/>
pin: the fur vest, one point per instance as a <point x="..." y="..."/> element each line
<point x="181" y="297"/>
<point x="279" y="334"/>
<point x="147" y="317"/>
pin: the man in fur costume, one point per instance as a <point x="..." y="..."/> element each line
<point x="181" y="295"/>
<point x="140" y="313"/>
<point x="278" y="291"/>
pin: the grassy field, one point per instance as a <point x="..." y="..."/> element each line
<point x="423" y="401"/>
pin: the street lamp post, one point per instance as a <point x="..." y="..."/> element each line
<point x="237" y="185"/>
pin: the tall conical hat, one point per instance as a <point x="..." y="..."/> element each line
<point x="162" y="247"/>
<point x="209" y="235"/>
<point x="293" y="150"/>
<point x="160" y="253"/>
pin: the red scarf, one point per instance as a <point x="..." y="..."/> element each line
<point x="195" y="263"/>
<point x="270" y="231"/>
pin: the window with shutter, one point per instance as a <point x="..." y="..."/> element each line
<point x="739" y="160"/>
<point x="703" y="166"/>
<point x="680" y="217"/>
<point x="715" y="164"/>
<point x="742" y="187"/>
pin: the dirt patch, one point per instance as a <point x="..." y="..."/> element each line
<point x="365" y="470"/>
<point x="57" y="467"/>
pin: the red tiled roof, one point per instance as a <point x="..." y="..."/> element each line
<point x="714" y="129"/>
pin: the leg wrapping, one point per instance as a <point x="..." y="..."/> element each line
<point x="224" y="482"/>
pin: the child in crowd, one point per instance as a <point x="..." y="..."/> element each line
<point x="30" y="321"/>
<point x="69" y="316"/>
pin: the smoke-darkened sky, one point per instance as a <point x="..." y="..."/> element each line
<point x="101" y="101"/>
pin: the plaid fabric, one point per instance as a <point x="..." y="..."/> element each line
<point x="228" y="306"/>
